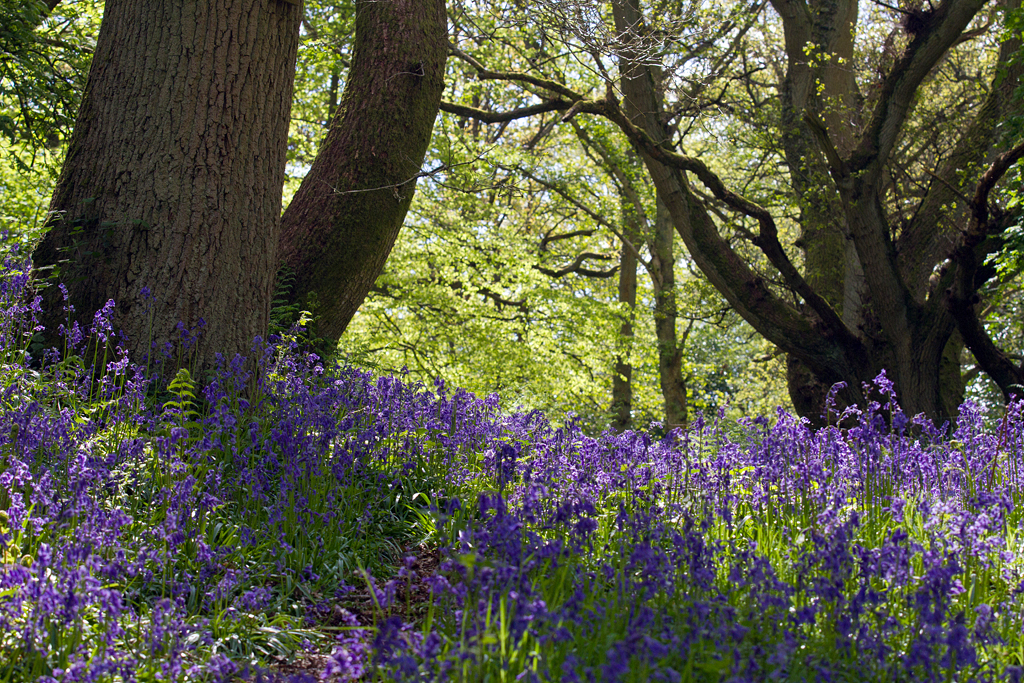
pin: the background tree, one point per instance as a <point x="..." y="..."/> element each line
<point x="42" y="60"/>
<point x="45" y="49"/>
<point x="866" y="194"/>
<point x="471" y="295"/>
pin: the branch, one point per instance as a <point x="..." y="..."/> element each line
<point x="961" y="298"/>
<point x="485" y="74"/>
<point x="626" y="190"/>
<point x="500" y="301"/>
<point x="577" y="267"/>
<point x="995" y="172"/>
<point x="944" y="28"/>
<point x="767" y="239"/>
<point x="925" y="240"/>
<point x="548" y="239"/>
<point x="485" y="116"/>
<point x="820" y="133"/>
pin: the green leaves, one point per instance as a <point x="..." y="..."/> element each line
<point x="44" y="58"/>
<point x="181" y="407"/>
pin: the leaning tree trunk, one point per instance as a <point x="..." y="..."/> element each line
<point x="169" y="200"/>
<point x="340" y="227"/>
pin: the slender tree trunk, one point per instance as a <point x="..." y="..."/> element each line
<point x="343" y="221"/>
<point x="643" y="113"/>
<point x="670" y="351"/>
<point x="172" y="183"/>
<point x="622" y="381"/>
<point x="332" y="94"/>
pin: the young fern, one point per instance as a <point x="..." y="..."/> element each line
<point x="182" y="404"/>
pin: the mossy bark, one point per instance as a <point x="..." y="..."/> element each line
<point x="172" y="182"/>
<point x="343" y="221"/>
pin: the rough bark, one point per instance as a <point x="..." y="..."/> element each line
<point x="343" y="221"/>
<point x="173" y="177"/>
<point x="914" y="335"/>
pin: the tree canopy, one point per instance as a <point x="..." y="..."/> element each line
<point x="637" y="209"/>
<point x="851" y="212"/>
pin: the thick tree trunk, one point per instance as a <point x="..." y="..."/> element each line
<point x="172" y="182"/>
<point x="830" y="262"/>
<point x="343" y="221"/>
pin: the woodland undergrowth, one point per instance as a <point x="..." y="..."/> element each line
<point x="290" y="518"/>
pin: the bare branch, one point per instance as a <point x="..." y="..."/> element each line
<point x="597" y="218"/>
<point x="577" y="267"/>
<point x="485" y="74"/>
<point x="485" y="116"/>
<point x="548" y="239"/>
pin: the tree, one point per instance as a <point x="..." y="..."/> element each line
<point x="41" y="74"/>
<point x="878" y="209"/>
<point x="886" y="318"/>
<point x="504" y="279"/>
<point x="169" y="200"/>
<point x="44" y="57"/>
<point x="172" y="183"/>
<point x="342" y="223"/>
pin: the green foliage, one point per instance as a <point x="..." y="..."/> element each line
<point x="44" y="57"/>
<point x="467" y="295"/>
<point x="325" y="53"/>
<point x="44" y="60"/>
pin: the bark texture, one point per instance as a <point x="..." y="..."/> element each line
<point x="172" y="182"/>
<point x="343" y="221"/>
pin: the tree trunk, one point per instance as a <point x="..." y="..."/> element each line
<point x="622" y="381"/>
<point x="343" y="221"/>
<point x="661" y="243"/>
<point x="670" y="351"/>
<point x="830" y="261"/>
<point x="170" y="196"/>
